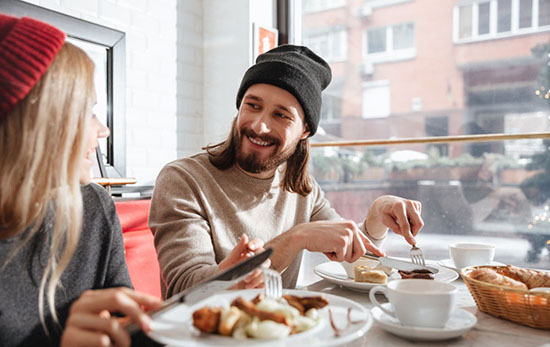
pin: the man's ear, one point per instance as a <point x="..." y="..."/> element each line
<point x="306" y="132"/>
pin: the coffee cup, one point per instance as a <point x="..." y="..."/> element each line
<point x="416" y="302"/>
<point x="470" y="254"/>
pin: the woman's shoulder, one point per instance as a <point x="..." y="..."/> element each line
<point x="97" y="204"/>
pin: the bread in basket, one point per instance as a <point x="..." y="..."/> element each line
<point x="503" y="292"/>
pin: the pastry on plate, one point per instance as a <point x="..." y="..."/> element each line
<point x="365" y="274"/>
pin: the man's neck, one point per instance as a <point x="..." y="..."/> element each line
<point x="261" y="175"/>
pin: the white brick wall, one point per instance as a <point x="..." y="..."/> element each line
<point x="153" y="101"/>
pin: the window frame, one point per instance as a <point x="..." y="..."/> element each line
<point x="493" y="33"/>
<point x="390" y="54"/>
<point x="115" y="43"/>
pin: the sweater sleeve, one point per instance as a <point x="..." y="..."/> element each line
<point x="182" y="233"/>
<point x="323" y="211"/>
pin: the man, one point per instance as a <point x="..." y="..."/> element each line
<point x="256" y="183"/>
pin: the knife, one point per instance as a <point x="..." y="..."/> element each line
<point x="210" y="286"/>
<point x="400" y="264"/>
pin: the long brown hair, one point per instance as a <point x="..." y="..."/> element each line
<point x="296" y="178"/>
<point x="42" y="144"/>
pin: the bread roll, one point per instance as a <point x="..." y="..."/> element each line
<point x="491" y="276"/>
<point x="531" y="278"/>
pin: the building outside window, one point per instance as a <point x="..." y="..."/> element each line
<point x="330" y="43"/>
<point x="488" y="19"/>
<point x="390" y="42"/>
<point x="311" y="6"/>
<point x="425" y="72"/>
<point x="376" y="99"/>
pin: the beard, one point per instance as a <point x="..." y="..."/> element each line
<point x="251" y="162"/>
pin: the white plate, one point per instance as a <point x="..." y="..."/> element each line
<point x="335" y="273"/>
<point x="175" y="327"/>
<point x="449" y="263"/>
<point x="459" y="323"/>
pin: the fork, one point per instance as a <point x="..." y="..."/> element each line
<point x="273" y="284"/>
<point x="417" y="257"/>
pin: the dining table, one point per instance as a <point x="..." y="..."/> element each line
<point x="488" y="331"/>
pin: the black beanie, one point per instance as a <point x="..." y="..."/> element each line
<point x="295" y="69"/>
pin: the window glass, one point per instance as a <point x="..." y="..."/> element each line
<point x="403" y="36"/>
<point x="484" y="18"/>
<point x="504" y="22"/>
<point x="465" y="22"/>
<point x="376" y="40"/>
<point x="472" y="73"/>
<point x="525" y="13"/>
<point x="544" y="12"/>
<point x="376" y="100"/>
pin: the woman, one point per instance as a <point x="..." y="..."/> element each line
<point x="62" y="265"/>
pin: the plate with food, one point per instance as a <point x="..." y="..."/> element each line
<point x="246" y="317"/>
<point x="367" y="276"/>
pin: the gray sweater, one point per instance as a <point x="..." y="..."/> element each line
<point x="99" y="262"/>
<point x="198" y="214"/>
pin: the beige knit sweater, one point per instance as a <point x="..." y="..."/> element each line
<point x="198" y="214"/>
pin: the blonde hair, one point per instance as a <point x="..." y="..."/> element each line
<point x="42" y="146"/>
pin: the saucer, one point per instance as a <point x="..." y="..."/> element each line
<point x="459" y="323"/>
<point x="449" y="263"/>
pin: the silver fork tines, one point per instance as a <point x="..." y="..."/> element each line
<point x="417" y="257"/>
<point x="273" y="284"/>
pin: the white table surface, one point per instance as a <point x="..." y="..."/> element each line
<point x="489" y="331"/>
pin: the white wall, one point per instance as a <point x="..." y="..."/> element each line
<point x="227" y="56"/>
<point x="185" y="60"/>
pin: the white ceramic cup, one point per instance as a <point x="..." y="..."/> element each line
<point x="418" y="302"/>
<point x="470" y="254"/>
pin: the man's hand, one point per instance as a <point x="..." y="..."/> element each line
<point x="90" y="322"/>
<point x="338" y="240"/>
<point x="400" y="215"/>
<point x="243" y="250"/>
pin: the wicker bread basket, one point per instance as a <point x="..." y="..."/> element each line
<point x="519" y="306"/>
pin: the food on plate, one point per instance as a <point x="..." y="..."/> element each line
<point x="531" y="278"/>
<point x="368" y="275"/>
<point x="423" y="274"/>
<point x="262" y="318"/>
<point x="207" y="319"/>
<point x="491" y="276"/>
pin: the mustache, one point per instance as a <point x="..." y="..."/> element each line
<point x="267" y="138"/>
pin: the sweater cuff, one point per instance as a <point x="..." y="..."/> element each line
<point x="377" y="242"/>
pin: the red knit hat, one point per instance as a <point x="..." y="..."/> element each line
<point x="27" y="48"/>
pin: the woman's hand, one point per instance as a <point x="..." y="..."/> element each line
<point x="90" y="322"/>
<point x="244" y="250"/>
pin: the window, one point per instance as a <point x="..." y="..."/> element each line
<point x="376" y="99"/>
<point x="504" y="8"/>
<point x="311" y="6"/>
<point x="401" y="121"/>
<point x="331" y="110"/>
<point x="390" y="43"/>
<point x="437" y="126"/>
<point x="330" y="43"/>
<point x="487" y="19"/>
<point x="526" y="13"/>
<point x="544" y="12"/>
<point x="107" y="49"/>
